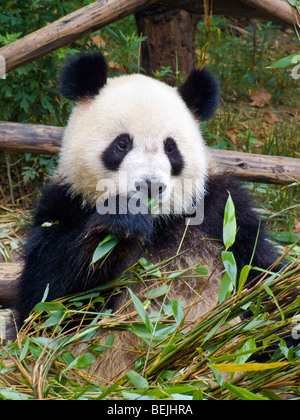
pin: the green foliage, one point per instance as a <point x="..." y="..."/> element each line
<point x="105" y="248"/>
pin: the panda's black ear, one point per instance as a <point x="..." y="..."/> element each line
<point x="201" y="93"/>
<point x="83" y="76"/>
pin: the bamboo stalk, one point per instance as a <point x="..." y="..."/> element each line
<point x="37" y="139"/>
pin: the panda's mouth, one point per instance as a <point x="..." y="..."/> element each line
<point x="148" y="196"/>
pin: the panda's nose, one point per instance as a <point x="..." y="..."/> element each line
<point x="153" y="187"/>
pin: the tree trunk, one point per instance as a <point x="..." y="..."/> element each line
<point x="170" y="41"/>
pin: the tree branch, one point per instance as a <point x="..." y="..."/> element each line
<point x="279" y="9"/>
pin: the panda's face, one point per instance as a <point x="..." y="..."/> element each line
<point x="137" y="131"/>
<point x="133" y="133"/>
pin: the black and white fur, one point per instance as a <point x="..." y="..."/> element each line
<point x="150" y="131"/>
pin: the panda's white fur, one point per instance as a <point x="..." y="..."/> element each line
<point x="150" y="111"/>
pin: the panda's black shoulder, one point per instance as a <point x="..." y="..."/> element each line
<point x="57" y="204"/>
<point x="251" y="239"/>
<point x="218" y="188"/>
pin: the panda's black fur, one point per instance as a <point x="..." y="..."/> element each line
<point x="58" y="256"/>
<point x="83" y="76"/>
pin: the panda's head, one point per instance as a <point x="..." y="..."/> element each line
<point x="133" y="130"/>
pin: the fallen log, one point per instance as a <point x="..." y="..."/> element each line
<point x="30" y="138"/>
<point x="67" y="29"/>
<point x="8" y="275"/>
<point x="39" y="139"/>
<point x="259" y="168"/>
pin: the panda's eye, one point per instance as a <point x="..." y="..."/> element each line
<point x="170" y="146"/>
<point x="174" y="155"/>
<point x="170" y="149"/>
<point x="123" y="143"/>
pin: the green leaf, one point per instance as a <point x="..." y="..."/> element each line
<point x="13" y="395"/>
<point x="137" y="380"/>
<point x="24" y="349"/>
<point x="135" y="396"/>
<point x="202" y="271"/>
<point x="243" y="394"/>
<point x="230" y="266"/>
<point x="49" y="307"/>
<point x="217" y="375"/>
<point x="106" y="246"/>
<point x="294" y="3"/>
<point x="246" y="351"/>
<point x="141" y="311"/>
<point x="54" y="319"/>
<point x="156" y="293"/>
<point x="177" y="311"/>
<point x="229" y="224"/>
<point x="284" y="237"/>
<point x="243" y="277"/>
<point x="226" y="288"/>
<point x="286" y="62"/>
<point x="80" y="362"/>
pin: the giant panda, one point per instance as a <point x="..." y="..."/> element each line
<point x="143" y="137"/>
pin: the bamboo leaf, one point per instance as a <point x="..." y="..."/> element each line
<point x="285" y="62"/>
<point x="243" y="277"/>
<point x="13" y="395"/>
<point x="226" y="288"/>
<point x="243" y="394"/>
<point x="106" y="246"/>
<point x="141" y="311"/>
<point x="229" y="224"/>
<point x="137" y="380"/>
<point x="177" y="311"/>
<point x="156" y="293"/>
<point x="80" y="362"/>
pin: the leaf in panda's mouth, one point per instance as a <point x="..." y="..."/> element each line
<point x="153" y="205"/>
<point x="105" y="247"/>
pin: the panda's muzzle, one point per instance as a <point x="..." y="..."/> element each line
<point x="151" y="188"/>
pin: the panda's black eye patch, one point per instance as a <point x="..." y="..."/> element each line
<point x="174" y="155"/>
<point x="116" y="151"/>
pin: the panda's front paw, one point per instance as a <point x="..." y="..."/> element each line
<point x="133" y="226"/>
